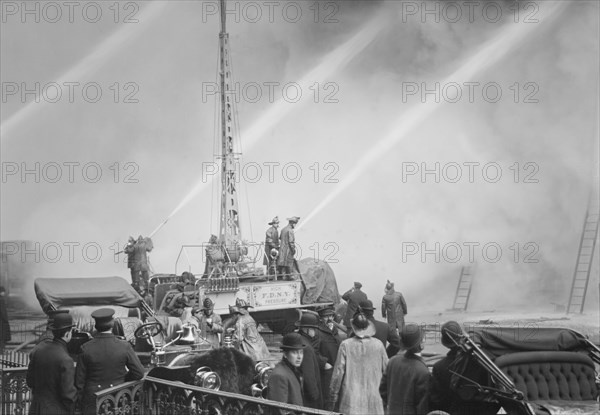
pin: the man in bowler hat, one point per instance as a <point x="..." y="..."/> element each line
<point x="51" y="371"/>
<point x="285" y="382"/>
<point x="404" y="386"/>
<point x="105" y="361"/>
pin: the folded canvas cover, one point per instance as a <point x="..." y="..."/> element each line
<point x="54" y="293"/>
<point x="500" y="340"/>
<point x="319" y="282"/>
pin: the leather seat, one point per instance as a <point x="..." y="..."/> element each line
<point x="543" y="376"/>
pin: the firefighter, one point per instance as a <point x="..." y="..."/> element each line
<point x="209" y="323"/>
<point x="285" y="260"/>
<point x="272" y="243"/>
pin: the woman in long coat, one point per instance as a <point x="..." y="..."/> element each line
<point x="360" y="364"/>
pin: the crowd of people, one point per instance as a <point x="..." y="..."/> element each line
<point x="373" y="367"/>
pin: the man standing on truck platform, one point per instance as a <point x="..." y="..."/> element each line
<point x="105" y="361"/>
<point x="285" y="260"/>
<point x="271" y="242"/>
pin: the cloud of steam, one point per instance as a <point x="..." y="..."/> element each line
<point x="170" y="133"/>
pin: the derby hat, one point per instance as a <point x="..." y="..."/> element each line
<point x="62" y="321"/>
<point x="361" y="326"/>
<point x="292" y="341"/>
<point x="366" y="305"/>
<point x="450" y="330"/>
<point x="308" y="320"/>
<point x="274" y="221"/>
<point x="294" y="219"/>
<point x="411" y="336"/>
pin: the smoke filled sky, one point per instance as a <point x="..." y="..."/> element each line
<point x="411" y="135"/>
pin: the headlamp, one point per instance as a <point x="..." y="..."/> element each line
<point x="206" y="378"/>
<point x="263" y="371"/>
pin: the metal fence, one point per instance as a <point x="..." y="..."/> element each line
<point x="152" y="396"/>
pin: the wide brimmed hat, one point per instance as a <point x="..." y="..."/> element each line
<point x="292" y="341"/>
<point x="294" y="219"/>
<point x="275" y="220"/>
<point x="241" y="303"/>
<point x="234" y="310"/>
<point x="450" y="330"/>
<point x="362" y="326"/>
<point x="308" y="320"/>
<point x="411" y="336"/>
<point x="62" y="321"/>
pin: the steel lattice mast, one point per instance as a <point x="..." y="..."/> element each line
<point x="229" y="231"/>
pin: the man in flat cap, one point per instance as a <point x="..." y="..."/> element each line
<point x="330" y="343"/>
<point x="105" y="361"/>
<point x="285" y="260"/>
<point x="51" y="371"/>
<point x="353" y="297"/>
<point x="271" y="243"/>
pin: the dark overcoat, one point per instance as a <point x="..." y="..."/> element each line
<point x="311" y="370"/>
<point x="287" y="241"/>
<point x="404" y="386"/>
<point x="329" y="346"/>
<point x="285" y="384"/>
<point x="4" y="324"/>
<point x="51" y="377"/>
<point x="353" y="297"/>
<point x="388" y="336"/>
<point x="393" y="307"/>
<point x="271" y="242"/>
<point x="103" y="363"/>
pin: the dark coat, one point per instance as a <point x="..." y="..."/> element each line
<point x="394" y="308"/>
<point x="271" y="241"/>
<point x="285" y="384"/>
<point x="51" y="377"/>
<point x="288" y="247"/>
<point x="311" y="370"/>
<point x="353" y="297"/>
<point x="329" y="346"/>
<point x="4" y="324"/>
<point x="102" y="363"/>
<point x="441" y="396"/>
<point x="405" y="386"/>
<point x="388" y="336"/>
